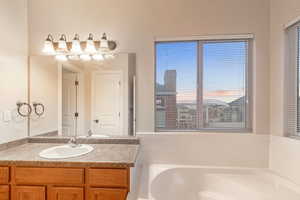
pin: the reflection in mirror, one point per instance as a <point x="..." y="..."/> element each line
<point x="87" y="99"/>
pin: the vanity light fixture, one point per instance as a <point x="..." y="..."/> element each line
<point x="76" y="48"/>
<point x="98" y="57"/>
<point x="48" y="45"/>
<point x="61" y="57"/>
<point x="74" y="57"/>
<point x="103" y="43"/>
<point x="85" y="57"/>
<point x="109" y="56"/>
<point x="90" y="45"/>
<point x="64" y="50"/>
<point x="62" y="43"/>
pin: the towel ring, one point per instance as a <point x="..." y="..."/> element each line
<point x="42" y="111"/>
<point x="29" y="109"/>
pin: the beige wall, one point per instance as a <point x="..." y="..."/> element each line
<point x="284" y="151"/>
<point x="135" y="23"/>
<point x="44" y="76"/>
<point x="13" y="66"/>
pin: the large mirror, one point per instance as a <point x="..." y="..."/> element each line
<point x="83" y="98"/>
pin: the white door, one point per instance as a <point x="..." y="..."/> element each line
<point x="68" y="103"/>
<point x="107" y="103"/>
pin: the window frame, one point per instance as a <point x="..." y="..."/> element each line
<point x="248" y="84"/>
<point x="292" y="69"/>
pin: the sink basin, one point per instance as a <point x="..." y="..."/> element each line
<point x="65" y="151"/>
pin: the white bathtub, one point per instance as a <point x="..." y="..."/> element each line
<point x="169" y="182"/>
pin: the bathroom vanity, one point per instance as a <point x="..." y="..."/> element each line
<point x="103" y="174"/>
<point x="72" y="99"/>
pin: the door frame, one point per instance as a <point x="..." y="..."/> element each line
<point x="101" y="71"/>
<point x="80" y="100"/>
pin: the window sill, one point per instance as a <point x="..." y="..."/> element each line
<point x="198" y="132"/>
<point x="206" y="131"/>
<point x="296" y="137"/>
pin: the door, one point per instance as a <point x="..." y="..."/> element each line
<point x="107" y="194"/>
<point x="65" y="193"/>
<point x="4" y="192"/>
<point x="68" y="103"/>
<point x="107" y="99"/>
<point x="28" y="193"/>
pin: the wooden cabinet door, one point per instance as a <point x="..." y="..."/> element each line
<point x="4" y="192"/>
<point x="65" y="193"/>
<point x="4" y="175"/>
<point x="107" y="194"/>
<point x="28" y="193"/>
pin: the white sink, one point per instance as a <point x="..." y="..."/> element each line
<point x="65" y="151"/>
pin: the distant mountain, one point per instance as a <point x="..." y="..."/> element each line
<point x="215" y="102"/>
<point x="238" y="101"/>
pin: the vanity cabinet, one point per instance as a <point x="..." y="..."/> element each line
<point x="61" y="183"/>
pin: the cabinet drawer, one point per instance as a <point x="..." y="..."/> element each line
<point x="4" y="175"/>
<point x="65" y="193"/>
<point x="27" y="175"/>
<point x="4" y="192"/>
<point x="108" y="177"/>
<point x="107" y="194"/>
<point x="28" y="193"/>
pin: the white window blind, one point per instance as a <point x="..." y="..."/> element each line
<point x="292" y="80"/>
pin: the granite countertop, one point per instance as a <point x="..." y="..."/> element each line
<point x="103" y="155"/>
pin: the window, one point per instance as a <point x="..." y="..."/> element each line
<point x="292" y="81"/>
<point x="202" y="85"/>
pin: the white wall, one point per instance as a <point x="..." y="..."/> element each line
<point x="284" y="151"/>
<point x="13" y="66"/>
<point x="208" y="149"/>
<point x="135" y="23"/>
<point x="284" y="157"/>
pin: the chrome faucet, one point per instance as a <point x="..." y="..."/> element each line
<point x="73" y="142"/>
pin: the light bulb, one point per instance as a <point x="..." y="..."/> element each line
<point x="62" y="43"/>
<point x="98" y="57"/>
<point x="76" y="48"/>
<point x="85" y="57"/>
<point x="90" y="45"/>
<point x="104" y="43"/>
<point x="48" y="45"/>
<point x="109" y="56"/>
<point x="61" y="57"/>
<point x="74" y="57"/>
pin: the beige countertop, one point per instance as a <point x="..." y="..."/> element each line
<point x="103" y="155"/>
